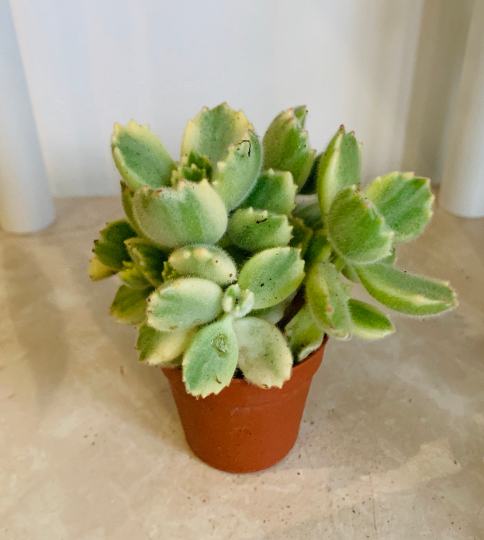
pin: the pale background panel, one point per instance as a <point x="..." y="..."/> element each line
<point x="89" y="64"/>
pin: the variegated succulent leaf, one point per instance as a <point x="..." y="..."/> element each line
<point x="237" y="302"/>
<point x="301" y="234"/>
<point x="98" y="270"/>
<point x="212" y="130"/>
<point x="169" y="273"/>
<point x="328" y="300"/>
<point x="255" y="230"/>
<point x="162" y="348"/>
<point x="405" y="292"/>
<point x="339" y="168"/>
<point x="189" y="213"/>
<point x="286" y="145"/>
<point x="210" y="361"/>
<point x="132" y="276"/>
<point x="319" y="249"/>
<point x="391" y="258"/>
<point x="110" y="248"/>
<point x="236" y="175"/>
<point x="356" y="230"/>
<point x="405" y="201"/>
<point x="271" y="314"/>
<point x="129" y="305"/>
<point x="272" y="275"/>
<point x="229" y="142"/>
<point x="349" y="272"/>
<point x="304" y="334"/>
<point x="204" y="261"/>
<point x="368" y="322"/>
<point x="148" y="257"/>
<point x="184" y="303"/>
<point x="301" y="112"/>
<point x="274" y="191"/>
<point x="264" y="357"/>
<point x="127" y="195"/>
<point x="140" y="157"/>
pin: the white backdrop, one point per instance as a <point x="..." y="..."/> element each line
<point x="90" y="63"/>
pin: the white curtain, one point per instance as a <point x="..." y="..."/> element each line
<point x="91" y="63"/>
<point x="25" y="200"/>
<point x="463" y="181"/>
<point x="365" y="63"/>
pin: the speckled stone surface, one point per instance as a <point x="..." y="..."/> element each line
<point x="391" y="445"/>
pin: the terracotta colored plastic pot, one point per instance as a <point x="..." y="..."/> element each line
<point x="245" y="428"/>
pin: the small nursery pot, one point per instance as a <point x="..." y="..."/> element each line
<point x="245" y="428"/>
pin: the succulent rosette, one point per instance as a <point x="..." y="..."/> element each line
<point x="227" y="271"/>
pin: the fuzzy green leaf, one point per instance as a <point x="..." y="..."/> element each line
<point x="255" y="230"/>
<point x="271" y="314"/>
<point x="210" y="361"/>
<point x="304" y="334"/>
<point x="127" y="200"/>
<point x="161" y="348"/>
<point x="132" y="276"/>
<point x="98" y="270"/>
<point x="274" y="191"/>
<point x="148" y="257"/>
<point x="212" y="130"/>
<point x="368" y="322"/>
<point x="407" y="293"/>
<point x="356" y="230"/>
<point x="328" y="300"/>
<point x="140" y="157"/>
<point x="319" y="249"/>
<point x="339" y="167"/>
<point x="208" y="262"/>
<point x="272" y="275"/>
<point x="191" y="213"/>
<point x="264" y="357"/>
<point x="238" y="302"/>
<point x="237" y="174"/>
<point x="184" y="303"/>
<point x="286" y="145"/>
<point x="129" y="305"/>
<point x="169" y="273"/>
<point x="404" y="201"/>
<point x="110" y="248"/>
<point x="301" y="234"/>
<point x="350" y="273"/>
<point x="391" y="258"/>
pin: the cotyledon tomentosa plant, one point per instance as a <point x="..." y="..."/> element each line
<point x="225" y="274"/>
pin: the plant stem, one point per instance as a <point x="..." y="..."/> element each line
<point x="291" y="310"/>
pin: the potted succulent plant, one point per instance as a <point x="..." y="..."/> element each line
<point x="235" y="285"/>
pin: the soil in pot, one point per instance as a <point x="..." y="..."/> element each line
<point x="245" y="428"/>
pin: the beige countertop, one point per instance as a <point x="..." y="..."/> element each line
<point x="391" y="445"/>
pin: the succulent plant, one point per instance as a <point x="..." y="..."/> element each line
<point x="226" y="270"/>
